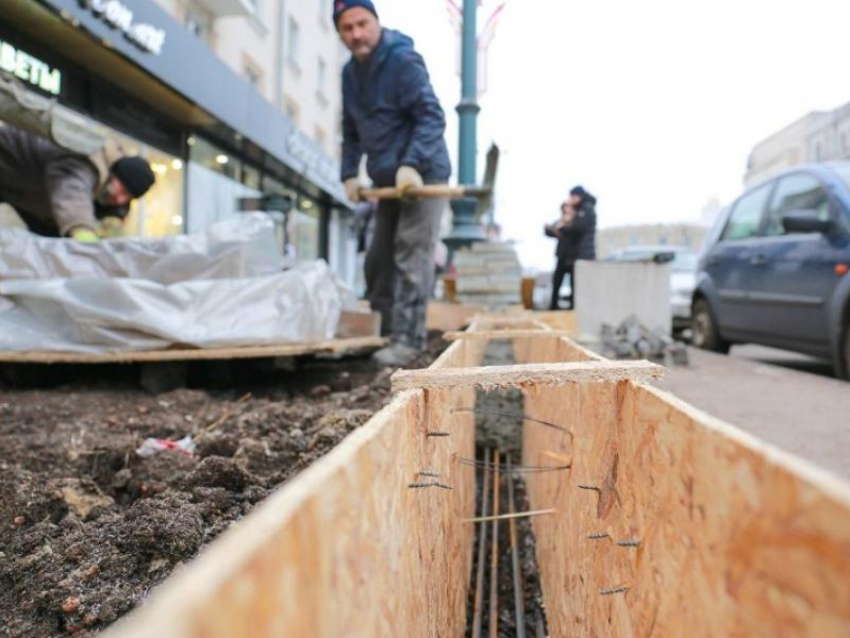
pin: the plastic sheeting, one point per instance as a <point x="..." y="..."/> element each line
<point x="243" y="246"/>
<point x="219" y="289"/>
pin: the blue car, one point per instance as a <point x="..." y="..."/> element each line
<point x="774" y="270"/>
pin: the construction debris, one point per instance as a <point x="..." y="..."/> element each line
<point x="632" y="340"/>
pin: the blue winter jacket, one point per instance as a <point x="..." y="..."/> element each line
<point x="390" y="113"/>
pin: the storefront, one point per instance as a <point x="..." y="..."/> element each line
<point x="211" y="139"/>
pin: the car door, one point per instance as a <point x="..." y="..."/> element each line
<point x="727" y="263"/>
<point x="793" y="274"/>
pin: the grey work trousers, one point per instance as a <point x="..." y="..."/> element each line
<point x="400" y="266"/>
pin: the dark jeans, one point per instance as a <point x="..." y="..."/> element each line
<point x="399" y="266"/>
<point x="562" y="268"/>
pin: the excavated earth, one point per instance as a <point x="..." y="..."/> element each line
<point x="88" y="527"/>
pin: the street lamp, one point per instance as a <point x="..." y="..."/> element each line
<point x="465" y="230"/>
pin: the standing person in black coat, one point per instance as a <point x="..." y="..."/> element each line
<point x="576" y="235"/>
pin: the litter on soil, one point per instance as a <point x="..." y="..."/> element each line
<point x="88" y="525"/>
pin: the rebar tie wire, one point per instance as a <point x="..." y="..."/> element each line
<point x="510" y="469"/>
<point x="514" y="415"/>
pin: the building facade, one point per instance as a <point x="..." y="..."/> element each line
<point x="820" y="136"/>
<point x="227" y="99"/>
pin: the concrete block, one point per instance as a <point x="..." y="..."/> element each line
<point x="610" y="292"/>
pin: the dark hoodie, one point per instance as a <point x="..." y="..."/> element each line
<point x="390" y="114"/>
<point x="577" y="240"/>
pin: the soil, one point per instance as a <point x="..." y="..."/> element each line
<point x="88" y="527"/>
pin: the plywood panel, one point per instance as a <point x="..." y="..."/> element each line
<point x="347" y="548"/>
<point x="735" y="538"/>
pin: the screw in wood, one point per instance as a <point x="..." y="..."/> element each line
<point x="629" y="543"/>
<point x="613" y="590"/>
<point x="598" y="536"/>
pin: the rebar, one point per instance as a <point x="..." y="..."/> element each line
<point x="514" y="415"/>
<point x="494" y="562"/>
<point x="516" y="469"/>
<point x="519" y="607"/>
<point x="482" y="543"/>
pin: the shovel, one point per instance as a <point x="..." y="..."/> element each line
<point x="483" y="193"/>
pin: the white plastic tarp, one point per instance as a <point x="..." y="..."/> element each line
<point x="242" y="246"/>
<point x="219" y="289"/>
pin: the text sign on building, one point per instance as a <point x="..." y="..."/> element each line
<point x="119" y="16"/>
<point x="30" y="69"/>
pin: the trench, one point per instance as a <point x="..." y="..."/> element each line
<point x="505" y="596"/>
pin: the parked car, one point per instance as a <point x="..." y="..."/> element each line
<point x="683" y="275"/>
<point x="775" y="268"/>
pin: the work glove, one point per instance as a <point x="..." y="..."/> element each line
<point x="353" y="185"/>
<point x="408" y="177"/>
<point x="111" y="227"/>
<point x="85" y="235"/>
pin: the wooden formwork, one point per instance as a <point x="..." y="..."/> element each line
<point x="697" y="528"/>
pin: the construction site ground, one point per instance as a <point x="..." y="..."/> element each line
<point x="781" y="397"/>
<point x="88" y="527"/>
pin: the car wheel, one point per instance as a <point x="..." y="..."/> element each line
<point x="705" y="334"/>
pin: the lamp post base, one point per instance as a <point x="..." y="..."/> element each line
<point x="465" y="230"/>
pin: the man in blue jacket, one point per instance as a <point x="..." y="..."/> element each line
<point x="391" y="115"/>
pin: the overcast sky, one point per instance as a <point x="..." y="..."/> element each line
<point x="653" y="105"/>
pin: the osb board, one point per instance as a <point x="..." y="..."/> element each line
<point x="335" y="346"/>
<point x="357" y="330"/>
<point x="445" y="316"/>
<point x="736" y="538"/>
<point x="347" y="548"/>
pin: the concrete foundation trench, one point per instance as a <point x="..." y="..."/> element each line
<point x="635" y="514"/>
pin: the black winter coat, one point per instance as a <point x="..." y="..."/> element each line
<point x="577" y="240"/>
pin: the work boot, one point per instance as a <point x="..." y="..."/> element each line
<point x="395" y="355"/>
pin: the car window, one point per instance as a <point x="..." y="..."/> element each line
<point x="746" y="216"/>
<point x="795" y="193"/>
<point x="844" y="173"/>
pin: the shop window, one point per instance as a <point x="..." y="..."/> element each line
<point x="160" y="212"/>
<point x="304" y="222"/>
<point x="206" y="154"/>
<point x="251" y="177"/>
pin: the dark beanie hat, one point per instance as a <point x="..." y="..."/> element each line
<point x="341" y="6"/>
<point x="578" y="191"/>
<point x="135" y="173"/>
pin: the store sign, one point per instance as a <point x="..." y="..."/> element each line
<point x="304" y="150"/>
<point x="30" y="69"/>
<point x="119" y="16"/>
